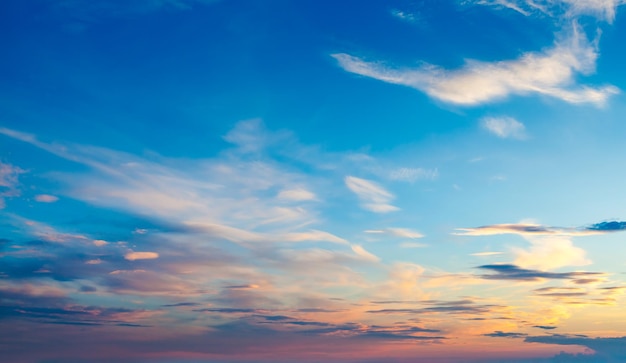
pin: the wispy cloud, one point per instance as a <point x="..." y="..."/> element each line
<point x="550" y="73"/>
<point x="501" y="334"/>
<point x="482" y="254"/>
<point x="9" y="182"/>
<point x="412" y="175"/>
<point x="568" y="9"/>
<point x="504" y="127"/>
<point x="373" y="196"/>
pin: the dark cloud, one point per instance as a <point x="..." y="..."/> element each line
<point x="181" y="304"/>
<point x="23" y="304"/>
<point x="610" y="226"/>
<point x="452" y="307"/>
<point x="545" y="327"/>
<point x="513" y="272"/>
<point x="606" y="349"/>
<point x="500" y="334"/>
<point x="229" y="310"/>
<point x="585" y="281"/>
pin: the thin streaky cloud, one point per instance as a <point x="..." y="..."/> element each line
<point x="373" y="197"/>
<point x="516" y="273"/>
<point x="133" y="256"/>
<point x="482" y="254"/>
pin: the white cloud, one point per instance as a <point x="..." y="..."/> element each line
<point x="132" y="256"/>
<point x="504" y="127"/>
<point x="550" y="73"/>
<point x="550" y="252"/>
<point x="373" y="197"/>
<point x="46" y="198"/>
<point x="480" y="254"/>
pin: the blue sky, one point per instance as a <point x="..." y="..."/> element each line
<point x="405" y="181"/>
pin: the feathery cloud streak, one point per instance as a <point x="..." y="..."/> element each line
<point x="373" y="197"/>
<point x="550" y="73"/>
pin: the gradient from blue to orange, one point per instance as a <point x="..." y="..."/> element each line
<point x="242" y="181"/>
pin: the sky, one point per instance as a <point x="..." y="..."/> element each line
<point x="240" y="181"/>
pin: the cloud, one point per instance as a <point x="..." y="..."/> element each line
<point x="504" y="127"/>
<point x="544" y="327"/>
<point x="549" y="73"/>
<point x="133" y="256"/>
<point x="500" y="334"/>
<point x="296" y="195"/>
<point x="568" y="9"/>
<point x="605" y="349"/>
<point x="610" y="226"/>
<point x="373" y="197"/>
<point x="46" y="198"/>
<point x="412" y="245"/>
<point x="550" y="252"/>
<point x="530" y="229"/>
<point x="523" y="229"/>
<point x="551" y="247"/>
<point x="9" y="182"/>
<point x="413" y="174"/>
<point x="361" y="252"/>
<point x="482" y="254"/>
<point x="397" y="232"/>
<point x="513" y="272"/>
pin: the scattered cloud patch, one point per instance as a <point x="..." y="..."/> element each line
<point x="504" y="127"/>
<point x="566" y="9"/>
<point x="46" y="198"/>
<point x="405" y="15"/>
<point x="9" y="182"/>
